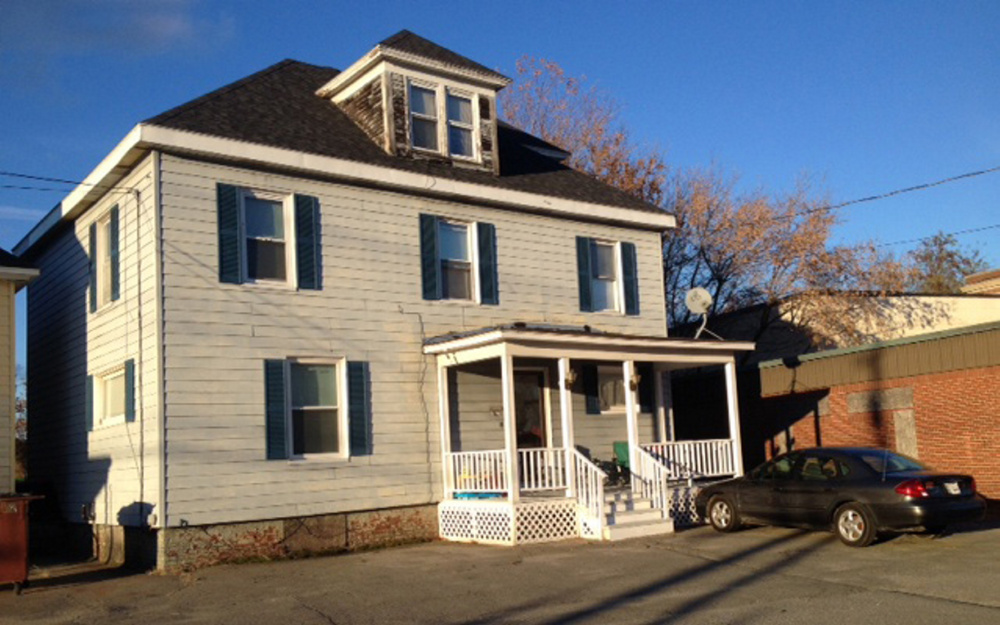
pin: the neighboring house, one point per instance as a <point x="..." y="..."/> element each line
<point x="14" y="274"/>
<point x="318" y="309"/>
<point x="987" y="282"/>
<point x="935" y="397"/>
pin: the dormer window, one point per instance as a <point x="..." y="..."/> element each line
<point x="431" y="103"/>
<point x="424" y="118"/>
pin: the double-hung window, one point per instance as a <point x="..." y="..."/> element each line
<point x="455" y="254"/>
<point x="424" y="118"/>
<point x="111" y="396"/>
<point x="607" y="274"/>
<point x="458" y="260"/>
<point x="442" y="120"/>
<point x="266" y="245"/>
<point x="104" y="260"/>
<point x="460" y="126"/>
<point x="268" y="238"/>
<point x="317" y="408"/>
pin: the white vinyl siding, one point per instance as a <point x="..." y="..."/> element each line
<point x="113" y="470"/>
<point x="370" y="309"/>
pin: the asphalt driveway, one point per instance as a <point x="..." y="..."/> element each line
<point x="763" y="575"/>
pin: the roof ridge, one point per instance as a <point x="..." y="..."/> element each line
<point x="233" y="86"/>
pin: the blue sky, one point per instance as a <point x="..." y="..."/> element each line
<point x="865" y="97"/>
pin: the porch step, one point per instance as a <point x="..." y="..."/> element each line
<point x="636" y="530"/>
<point x="627" y="505"/>
<point x="634" y="517"/>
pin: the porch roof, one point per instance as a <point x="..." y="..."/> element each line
<point x="578" y="342"/>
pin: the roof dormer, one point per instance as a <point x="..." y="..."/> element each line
<point x="419" y="100"/>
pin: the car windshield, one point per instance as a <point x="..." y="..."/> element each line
<point x="889" y="462"/>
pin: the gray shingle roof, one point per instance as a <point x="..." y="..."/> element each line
<point x="411" y="43"/>
<point x="278" y="107"/>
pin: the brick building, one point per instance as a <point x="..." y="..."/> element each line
<point x="935" y="397"/>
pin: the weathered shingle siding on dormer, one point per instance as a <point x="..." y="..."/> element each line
<point x="365" y="108"/>
<point x="487" y="130"/>
<point x="400" y="133"/>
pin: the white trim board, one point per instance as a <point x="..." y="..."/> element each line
<point x="146" y="137"/>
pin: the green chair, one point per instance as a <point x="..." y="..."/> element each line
<point x="621" y="454"/>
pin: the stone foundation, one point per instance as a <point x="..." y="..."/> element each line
<point x="186" y="548"/>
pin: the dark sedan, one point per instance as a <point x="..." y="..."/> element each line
<point x="856" y="492"/>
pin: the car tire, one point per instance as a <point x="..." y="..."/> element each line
<point x="854" y="524"/>
<point x="722" y="514"/>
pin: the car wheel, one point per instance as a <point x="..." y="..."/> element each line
<point x="855" y="525"/>
<point x="722" y="514"/>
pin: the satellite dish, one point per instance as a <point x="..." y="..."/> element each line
<point x="698" y="300"/>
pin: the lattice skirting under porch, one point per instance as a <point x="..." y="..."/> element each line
<point x="500" y="523"/>
<point x="682" y="509"/>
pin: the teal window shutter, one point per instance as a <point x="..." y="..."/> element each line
<point x="228" y="214"/>
<point x="430" y="268"/>
<point x="93" y="267"/>
<point x="129" y="391"/>
<point x="308" y="255"/>
<point x="89" y="401"/>
<point x="489" y="287"/>
<point x="114" y="244"/>
<point x="359" y="407"/>
<point x="274" y="406"/>
<point x="584" y="274"/>
<point x="590" y="388"/>
<point x="630" y="270"/>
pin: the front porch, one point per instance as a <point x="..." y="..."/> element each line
<point x="514" y="472"/>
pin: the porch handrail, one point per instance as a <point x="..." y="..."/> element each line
<point x="589" y="487"/>
<point x="479" y="471"/>
<point x="542" y="468"/>
<point x="702" y="458"/>
<point x="649" y="480"/>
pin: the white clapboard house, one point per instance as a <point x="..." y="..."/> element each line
<point x="314" y="293"/>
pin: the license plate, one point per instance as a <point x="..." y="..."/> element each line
<point x="953" y="488"/>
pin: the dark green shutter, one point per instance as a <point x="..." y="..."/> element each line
<point x="430" y="268"/>
<point x="113" y="247"/>
<point x="307" y="249"/>
<point x="647" y="379"/>
<point x="93" y="267"/>
<point x="129" y="391"/>
<point x="590" y="389"/>
<point x="228" y="213"/>
<point x="583" y="273"/>
<point x="631" y="277"/>
<point x="489" y="288"/>
<point x="359" y="406"/>
<point x="89" y="407"/>
<point x="274" y="403"/>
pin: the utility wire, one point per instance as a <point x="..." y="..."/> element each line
<point x="928" y="238"/>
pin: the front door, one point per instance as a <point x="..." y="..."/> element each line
<point x="529" y="408"/>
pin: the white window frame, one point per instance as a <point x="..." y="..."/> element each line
<point x="100" y="398"/>
<point x="441" y="93"/>
<point x="615" y="372"/>
<point x="343" y="423"/>
<point x="288" y="221"/>
<point x="103" y="261"/>
<point x="618" y="292"/>
<point x="472" y="243"/>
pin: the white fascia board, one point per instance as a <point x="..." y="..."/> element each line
<point x="148" y="137"/>
<point x="93" y="186"/>
<point x="18" y="275"/>
<point x="165" y="138"/>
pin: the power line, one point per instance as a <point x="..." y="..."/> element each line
<point x="928" y="238"/>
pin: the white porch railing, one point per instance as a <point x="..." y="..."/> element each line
<point x="542" y="468"/>
<point x="589" y="482"/>
<point x="687" y="459"/>
<point x="649" y="480"/>
<point x="478" y="471"/>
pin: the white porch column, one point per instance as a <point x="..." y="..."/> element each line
<point x="628" y="371"/>
<point x="568" y="436"/>
<point x="444" y="409"/>
<point x="734" y="417"/>
<point x="509" y="425"/>
<point x="661" y="405"/>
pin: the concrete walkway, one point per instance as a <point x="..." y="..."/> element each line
<point x="764" y="575"/>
